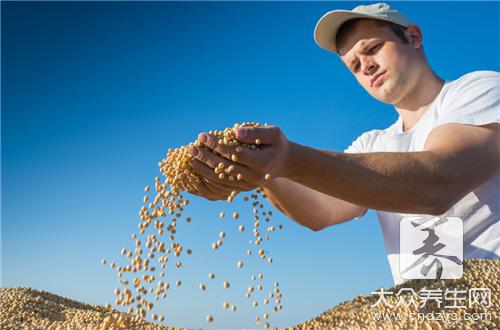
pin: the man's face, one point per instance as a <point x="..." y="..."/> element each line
<point x="386" y="67"/>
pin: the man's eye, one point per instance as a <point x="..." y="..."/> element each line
<point x="374" y="48"/>
<point x="355" y="67"/>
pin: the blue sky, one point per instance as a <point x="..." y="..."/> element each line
<point x="93" y="95"/>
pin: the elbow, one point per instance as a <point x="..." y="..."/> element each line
<point x="319" y="226"/>
<point x="440" y="202"/>
<point x="444" y="192"/>
<point x="309" y="223"/>
<point x="316" y="228"/>
<point x="437" y="209"/>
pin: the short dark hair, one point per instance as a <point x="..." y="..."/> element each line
<point x="349" y="26"/>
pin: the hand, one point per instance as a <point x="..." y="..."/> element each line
<point x="213" y="190"/>
<point x="253" y="166"/>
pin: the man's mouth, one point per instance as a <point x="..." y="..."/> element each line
<point x="377" y="79"/>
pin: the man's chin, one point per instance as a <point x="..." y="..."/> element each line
<point x="385" y="98"/>
<point x="386" y="94"/>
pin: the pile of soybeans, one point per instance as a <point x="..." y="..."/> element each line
<point x="29" y="309"/>
<point x="480" y="276"/>
<point x="23" y="308"/>
<point x="143" y="276"/>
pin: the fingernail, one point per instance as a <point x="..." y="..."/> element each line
<point x="242" y="133"/>
<point x="202" y="138"/>
<point x="193" y="151"/>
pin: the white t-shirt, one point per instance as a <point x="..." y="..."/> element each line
<point x="472" y="99"/>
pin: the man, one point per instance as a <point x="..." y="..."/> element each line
<point x="441" y="157"/>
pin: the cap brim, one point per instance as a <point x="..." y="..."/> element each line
<point x="328" y="25"/>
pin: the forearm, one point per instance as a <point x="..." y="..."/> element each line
<point x="427" y="182"/>
<point x="308" y="207"/>
<point x="398" y="182"/>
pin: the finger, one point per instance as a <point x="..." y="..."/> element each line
<point x="218" y="188"/>
<point x="202" y="169"/>
<point x="198" y="184"/>
<point x="229" y="170"/>
<point x="239" y="186"/>
<point x="203" y="186"/>
<point x="201" y="193"/>
<point x="225" y="180"/>
<point x="270" y="135"/>
<point x="206" y="192"/>
<point x="196" y="190"/>
<point x="256" y="160"/>
<point x="208" y="157"/>
<point x="213" y="142"/>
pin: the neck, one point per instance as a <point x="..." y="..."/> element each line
<point x="416" y="102"/>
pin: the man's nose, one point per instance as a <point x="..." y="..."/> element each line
<point x="369" y="66"/>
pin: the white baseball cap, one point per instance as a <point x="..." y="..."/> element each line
<point x="326" y="29"/>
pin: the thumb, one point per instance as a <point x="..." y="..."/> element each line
<point x="270" y="135"/>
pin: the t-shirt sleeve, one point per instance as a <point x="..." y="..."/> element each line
<point x="364" y="143"/>
<point x="355" y="147"/>
<point x="473" y="100"/>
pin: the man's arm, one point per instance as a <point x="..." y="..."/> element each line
<point x="306" y="206"/>
<point x="457" y="159"/>
<point x="309" y="207"/>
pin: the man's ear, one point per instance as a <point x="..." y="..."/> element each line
<point x="414" y="36"/>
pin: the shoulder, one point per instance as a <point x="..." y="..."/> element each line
<point x="373" y="134"/>
<point x="367" y="141"/>
<point x="475" y="80"/>
<point x="472" y="99"/>
<point x="482" y="74"/>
